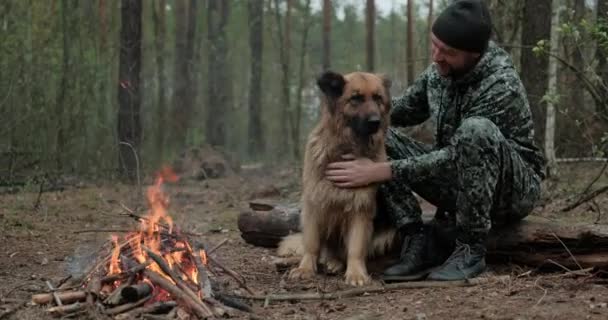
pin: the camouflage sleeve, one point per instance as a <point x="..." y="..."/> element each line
<point x="502" y="103"/>
<point x="411" y="108"/>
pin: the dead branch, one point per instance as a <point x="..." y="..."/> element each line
<point x="55" y="296"/>
<point x="180" y="283"/>
<point x="233" y="274"/>
<point x="178" y="294"/>
<point x="203" y="278"/>
<point x="371" y="289"/>
<point x="125" y="274"/>
<point x="217" y="246"/>
<point x="158" y="307"/>
<point x="586" y="198"/>
<point x="66" y="309"/>
<point x="127" y="306"/>
<point x="93" y="289"/>
<point x="65" y="297"/>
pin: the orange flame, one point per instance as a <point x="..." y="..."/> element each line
<point x="115" y="261"/>
<point x="203" y="255"/>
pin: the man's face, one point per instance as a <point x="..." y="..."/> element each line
<point x="451" y="62"/>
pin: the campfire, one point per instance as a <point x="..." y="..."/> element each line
<point x="156" y="269"/>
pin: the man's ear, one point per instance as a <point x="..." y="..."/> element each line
<point x="332" y="84"/>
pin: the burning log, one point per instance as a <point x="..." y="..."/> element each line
<point x="136" y="292"/>
<point x="65" y="297"/>
<point x="127" y="306"/>
<point x="155" y="308"/>
<point x="178" y="294"/>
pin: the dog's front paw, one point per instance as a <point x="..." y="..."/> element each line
<point x="356" y="277"/>
<point x="301" y="274"/>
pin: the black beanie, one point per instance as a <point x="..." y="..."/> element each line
<point x="464" y="25"/>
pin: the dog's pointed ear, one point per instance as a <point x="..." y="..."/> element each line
<point x="386" y="81"/>
<point x="331" y="83"/>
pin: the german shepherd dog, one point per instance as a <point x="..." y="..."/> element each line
<point x="338" y="223"/>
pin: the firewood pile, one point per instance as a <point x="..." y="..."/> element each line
<point x="153" y="270"/>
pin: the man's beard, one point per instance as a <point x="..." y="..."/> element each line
<point x="454" y="72"/>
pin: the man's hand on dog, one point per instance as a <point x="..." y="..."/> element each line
<point x="357" y="172"/>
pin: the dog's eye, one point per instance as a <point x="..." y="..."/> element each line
<point x="358" y="98"/>
<point x="377" y="98"/>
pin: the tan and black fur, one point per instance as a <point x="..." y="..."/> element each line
<point x="337" y="223"/>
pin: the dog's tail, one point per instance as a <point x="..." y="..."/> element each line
<point x="383" y="242"/>
<point x="291" y="245"/>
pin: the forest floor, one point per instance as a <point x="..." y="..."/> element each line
<point x="46" y="244"/>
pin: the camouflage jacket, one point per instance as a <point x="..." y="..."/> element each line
<point x="492" y="90"/>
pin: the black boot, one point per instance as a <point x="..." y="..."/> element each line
<point x="412" y="257"/>
<point x="467" y="261"/>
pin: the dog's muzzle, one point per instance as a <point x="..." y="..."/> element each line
<point x="365" y="126"/>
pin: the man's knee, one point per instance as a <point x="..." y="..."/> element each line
<point x="479" y="132"/>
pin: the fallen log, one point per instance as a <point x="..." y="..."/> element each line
<point x="533" y="241"/>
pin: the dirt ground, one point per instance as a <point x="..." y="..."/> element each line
<point x="50" y="242"/>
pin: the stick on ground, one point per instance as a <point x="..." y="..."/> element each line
<point x="359" y="291"/>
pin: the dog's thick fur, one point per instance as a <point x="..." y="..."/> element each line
<point x="337" y="223"/>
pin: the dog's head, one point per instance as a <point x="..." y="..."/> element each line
<point x="359" y="101"/>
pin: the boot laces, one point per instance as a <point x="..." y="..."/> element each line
<point x="461" y="254"/>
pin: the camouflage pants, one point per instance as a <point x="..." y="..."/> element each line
<point x="478" y="178"/>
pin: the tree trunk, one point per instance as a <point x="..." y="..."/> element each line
<point x="158" y="15"/>
<point x="301" y="82"/>
<point x="578" y="60"/>
<point x="411" y="59"/>
<point x="602" y="55"/>
<point x="370" y="24"/>
<point x="129" y="95"/>
<point x="429" y="25"/>
<point x="534" y="76"/>
<point x="532" y="241"/>
<point x="182" y="100"/>
<point x="103" y="24"/>
<point x="219" y="86"/>
<point x="327" y="14"/>
<point x="256" y="145"/>
<point x="61" y="100"/>
<point x="284" y="53"/>
<point x="552" y="92"/>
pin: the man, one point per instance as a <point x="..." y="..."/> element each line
<point x="484" y="169"/>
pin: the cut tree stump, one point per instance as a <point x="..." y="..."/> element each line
<point x="533" y="241"/>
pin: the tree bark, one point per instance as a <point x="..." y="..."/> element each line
<point x="552" y="92"/>
<point x="219" y="86"/>
<point x="284" y="53"/>
<point x="411" y="59"/>
<point x="129" y="95"/>
<point x="602" y="55"/>
<point x="301" y="82"/>
<point x="256" y="145"/>
<point x="370" y="26"/>
<point x="429" y="25"/>
<point x="327" y="14"/>
<point x="185" y="86"/>
<point x="158" y="16"/>
<point x="534" y="76"/>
